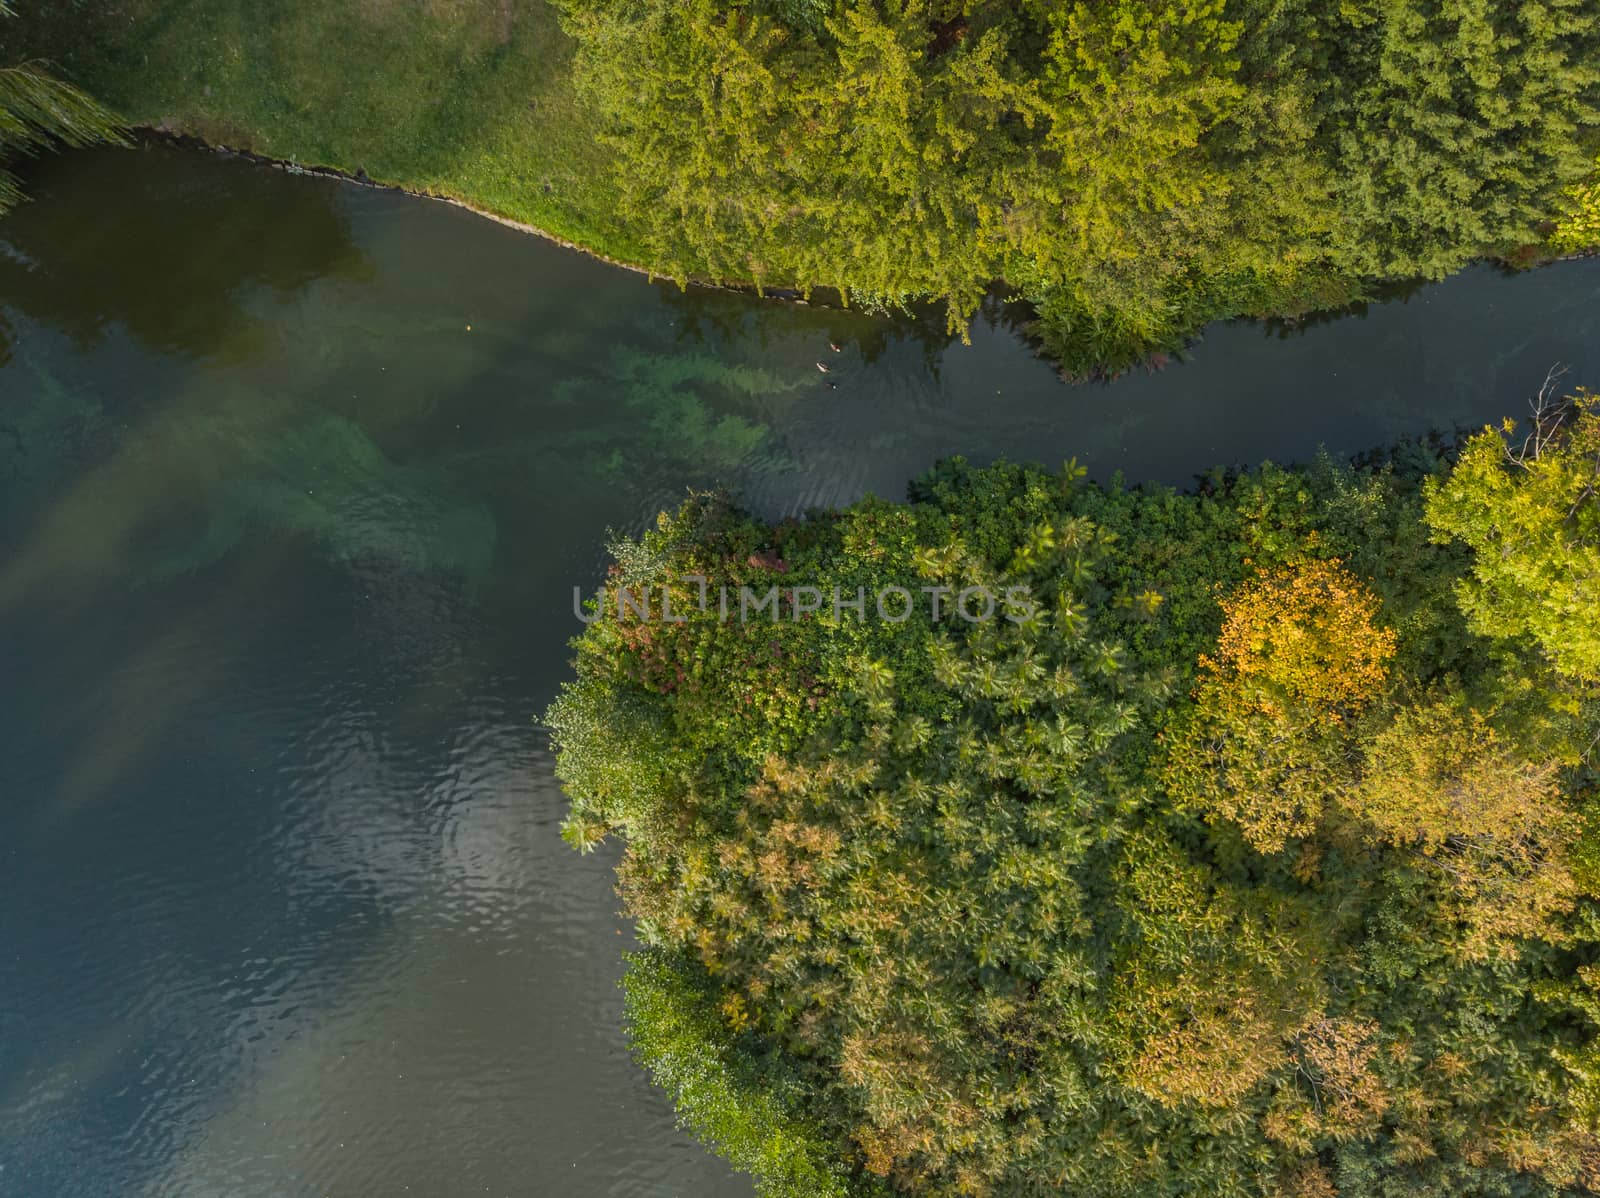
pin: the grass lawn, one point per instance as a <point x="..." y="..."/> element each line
<point x="462" y="98"/>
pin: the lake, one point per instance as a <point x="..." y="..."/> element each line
<point x="296" y="482"/>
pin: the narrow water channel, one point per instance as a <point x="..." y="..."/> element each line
<point x="296" y="480"/>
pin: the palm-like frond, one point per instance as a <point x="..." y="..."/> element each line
<point x="36" y="110"/>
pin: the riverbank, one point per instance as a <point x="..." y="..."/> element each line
<point x="293" y="735"/>
<point x="469" y="102"/>
<point x="474" y="102"/>
<point x="161" y="135"/>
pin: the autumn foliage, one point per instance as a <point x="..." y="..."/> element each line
<point x="1304" y="638"/>
<point x="1239" y="866"/>
<point x="1301" y="652"/>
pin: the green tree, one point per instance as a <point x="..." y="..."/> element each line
<point x="1455" y="127"/>
<point x="1136" y="168"/>
<point x="1529" y="509"/>
<point x="999" y="908"/>
<point x="1578" y="228"/>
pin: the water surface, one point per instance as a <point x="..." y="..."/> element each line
<point x="295" y="483"/>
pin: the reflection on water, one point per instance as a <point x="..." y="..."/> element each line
<point x="134" y="257"/>
<point x="295" y="483"/>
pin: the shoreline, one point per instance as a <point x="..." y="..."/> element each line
<point x="178" y="139"/>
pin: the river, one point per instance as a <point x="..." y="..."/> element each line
<point x="296" y="479"/>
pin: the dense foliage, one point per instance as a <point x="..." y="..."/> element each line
<point x="1530" y="514"/>
<point x="1229" y="856"/>
<point x="1136" y="168"/>
<point x="1578" y="230"/>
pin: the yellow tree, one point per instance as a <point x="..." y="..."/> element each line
<point x="1300" y="654"/>
<point x="1212" y="987"/>
<point x="1489" y="824"/>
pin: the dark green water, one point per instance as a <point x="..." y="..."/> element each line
<point x="295" y="484"/>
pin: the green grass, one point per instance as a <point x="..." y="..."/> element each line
<point x="463" y="98"/>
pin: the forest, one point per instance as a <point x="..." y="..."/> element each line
<point x="1256" y="855"/>
<point x="1133" y="169"/>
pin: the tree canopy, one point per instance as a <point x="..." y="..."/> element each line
<point x="1530" y="511"/>
<point x="1135" y="168"/>
<point x="1227" y="856"/>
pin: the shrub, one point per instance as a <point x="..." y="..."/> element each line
<point x="1135" y="892"/>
